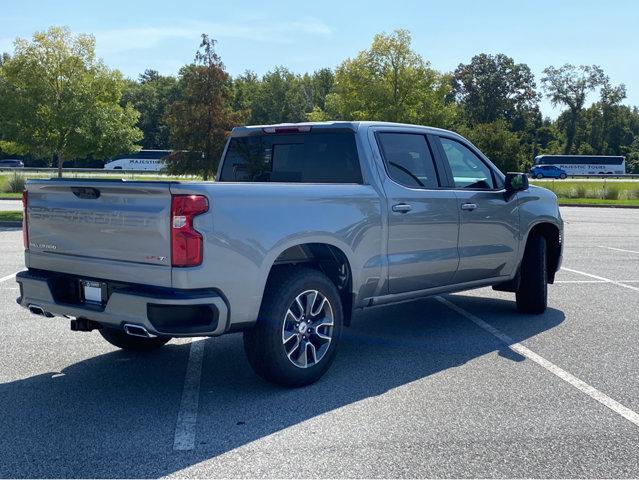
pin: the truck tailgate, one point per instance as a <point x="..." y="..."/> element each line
<point x="118" y="222"/>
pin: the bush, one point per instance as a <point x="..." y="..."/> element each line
<point x="581" y="191"/>
<point x="610" y="192"/>
<point x="15" y="184"/>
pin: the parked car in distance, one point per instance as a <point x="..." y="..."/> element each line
<point x="305" y="225"/>
<point x="11" y="163"/>
<point x="547" y="171"/>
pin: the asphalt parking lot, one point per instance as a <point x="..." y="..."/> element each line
<point x="7" y="205"/>
<point x="462" y="386"/>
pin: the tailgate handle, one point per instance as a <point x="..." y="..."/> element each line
<point x="86" y="193"/>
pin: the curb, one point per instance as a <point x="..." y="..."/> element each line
<point x="11" y="224"/>
<point x="595" y="205"/>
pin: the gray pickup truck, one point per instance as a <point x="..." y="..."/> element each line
<point x="305" y="224"/>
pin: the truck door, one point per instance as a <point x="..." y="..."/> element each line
<point x="489" y="219"/>
<point x="423" y="220"/>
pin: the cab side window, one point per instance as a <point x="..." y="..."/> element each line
<point x="469" y="171"/>
<point x="408" y="159"/>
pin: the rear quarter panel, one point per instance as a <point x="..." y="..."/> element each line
<point x="249" y="225"/>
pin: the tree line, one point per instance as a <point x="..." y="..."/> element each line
<point x="58" y="102"/>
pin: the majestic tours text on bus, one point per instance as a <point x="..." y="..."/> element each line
<point x="142" y="160"/>
<point x="585" y="164"/>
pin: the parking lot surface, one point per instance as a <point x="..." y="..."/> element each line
<point x="8" y="205"/>
<point x="459" y="386"/>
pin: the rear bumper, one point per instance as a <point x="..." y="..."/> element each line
<point x="162" y="311"/>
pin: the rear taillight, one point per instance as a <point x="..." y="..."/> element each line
<point x="186" y="242"/>
<point x="25" y="222"/>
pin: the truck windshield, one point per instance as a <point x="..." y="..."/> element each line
<point x="314" y="157"/>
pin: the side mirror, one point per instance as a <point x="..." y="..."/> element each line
<point x="516" y="182"/>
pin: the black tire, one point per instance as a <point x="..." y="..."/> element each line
<point x="563" y="176"/>
<point x="121" y="339"/>
<point x="539" y="175"/>
<point x="532" y="295"/>
<point x="264" y="345"/>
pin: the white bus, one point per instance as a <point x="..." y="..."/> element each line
<point x="585" y="164"/>
<point x="143" y="160"/>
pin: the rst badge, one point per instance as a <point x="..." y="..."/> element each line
<point x="43" y="246"/>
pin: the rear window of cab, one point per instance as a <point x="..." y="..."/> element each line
<point x="313" y="157"/>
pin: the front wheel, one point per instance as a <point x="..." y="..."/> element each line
<point x="539" y="175"/>
<point x="532" y="295"/>
<point x="295" y="338"/>
<point x="562" y="176"/>
<point x="121" y="339"/>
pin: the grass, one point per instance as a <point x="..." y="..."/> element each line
<point x="598" y="201"/>
<point x="5" y="195"/>
<point x="611" y="191"/>
<point x="7" y="177"/>
<point x="11" y="216"/>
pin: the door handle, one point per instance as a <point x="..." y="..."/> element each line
<point x="402" y="208"/>
<point x="468" y="206"/>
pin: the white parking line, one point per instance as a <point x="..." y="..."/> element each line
<point x="580" y="281"/>
<point x="8" y="277"/>
<point x="187" y="416"/>
<point x="592" y="392"/>
<point x="620" y="284"/>
<point x="593" y="281"/>
<point x="618" y="249"/>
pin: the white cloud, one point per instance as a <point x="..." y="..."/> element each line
<point x="263" y="30"/>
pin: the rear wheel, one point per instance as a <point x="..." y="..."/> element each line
<point x="562" y="176"/>
<point x="539" y="175"/>
<point x="295" y="338"/>
<point x="123" y="340"/>
<point x="532" y="295"/>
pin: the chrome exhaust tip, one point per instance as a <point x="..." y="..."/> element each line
<point x="137" y="330"/>
<point x="38" y="310"/>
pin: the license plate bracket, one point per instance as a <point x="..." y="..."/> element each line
<point x="92" y="292"/>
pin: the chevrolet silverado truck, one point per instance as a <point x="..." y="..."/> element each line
<point x="305" y="225"/>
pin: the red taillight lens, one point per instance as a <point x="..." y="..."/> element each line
<point x="25" y="222"/>
<point x="186" y="242"/>
<point x="287" y="130"/>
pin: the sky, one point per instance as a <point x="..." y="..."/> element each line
<point x="305" y="36"/>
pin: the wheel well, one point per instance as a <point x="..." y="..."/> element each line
<point x="553" y="246"/>
<point x="328" y="259"/>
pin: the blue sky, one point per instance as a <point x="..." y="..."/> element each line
<point x="257" y="35"/>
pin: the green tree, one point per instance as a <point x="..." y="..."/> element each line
<point x="569" y="85"/>
<point x="493" y="87"/>
<point x="280" y="98"/>
<point x="201" y="120"/>
<point x="151" y="95"/>
<point x="606" y="127"/>
<point x="500" y="144"/>
<point x="391" y="82"/>
<point x="245" y="92"/>
<point x="632" y="156"/>
<point x="59" y="101"/>
<point x="281" y="95"/>
<point x="321" y="84"/>
<point x="4" y="58"/>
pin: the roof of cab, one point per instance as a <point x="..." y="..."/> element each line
<point x="332" y="125"/>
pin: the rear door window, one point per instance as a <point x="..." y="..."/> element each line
<point x="408" y="159"/>
<point x="315" y="157"/>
